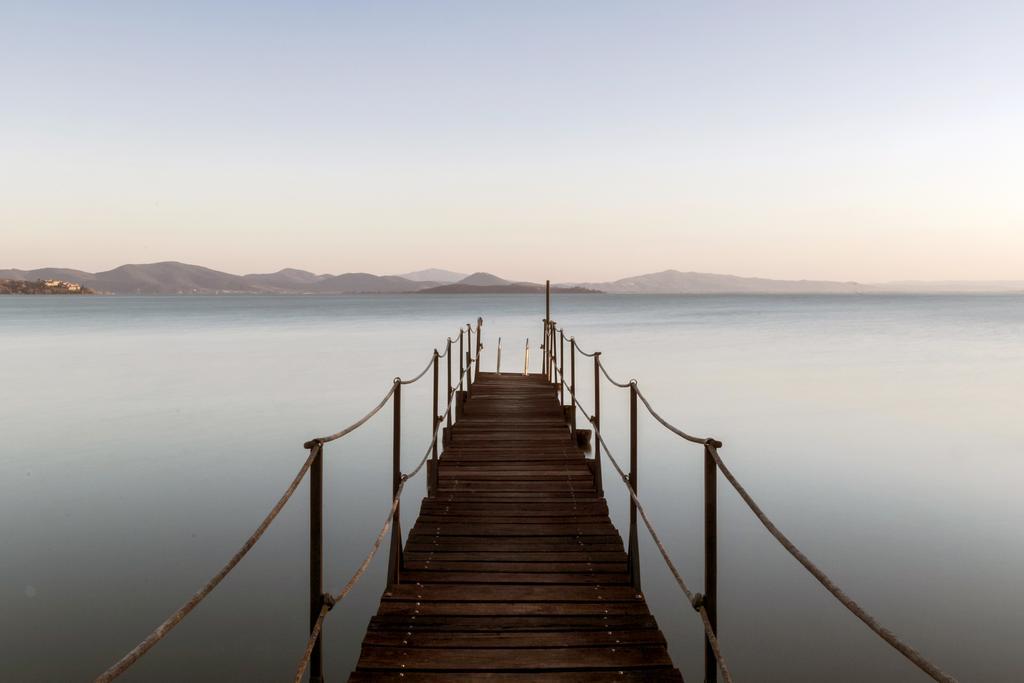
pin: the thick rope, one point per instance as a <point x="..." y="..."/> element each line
<point x="906" y="650"/>
<point x="694" y="600"/>
<point x="888" y="636"/>
<point x="418" y="377"/>
<point x="334" y="599"/>
<point x="170" y="622"/>
<point x="621" y="385"/>
<point x="315" y="447"/>
<point x="355" y="425"/>
<point x="848" y="602"/>
<point x="578" y="349"/>
<point x="672" y="428"/>
<point x="430" y="363"/>
<point x="303" y="664"/>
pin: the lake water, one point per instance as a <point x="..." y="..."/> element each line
<point x="142" y="439"/>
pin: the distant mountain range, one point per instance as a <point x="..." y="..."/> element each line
<point x="676" y="282"/>
<point x="434" y="275"/>
<point x="171" y="277"/>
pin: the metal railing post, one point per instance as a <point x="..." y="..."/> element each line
<point x="572" y="382"/>
<point x="544" y="348"/>
<point x="448" y="402"/>
<point x="597" y="423"/>
<point x="479" y="348"/>
<point x="395" y="558"/>
<point x="561" y="369"/>
<point x="634" y="544"/>
<point x="551" y="350"/>
<point x="469" y="357"/>
<point x="554" y="350"/>
<point x="316" y="560"/>
<point x="434" y="424"/>
<point x="710" y="559"/>
<point x="546" y="338"/>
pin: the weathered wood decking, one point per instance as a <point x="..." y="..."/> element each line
<point x="513" y="570"/>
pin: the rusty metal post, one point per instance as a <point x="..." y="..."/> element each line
<point x="435" y="422"/>
<point x="561" y="369"/>
<point x="548" y="349"/>
<point x="395" y="558"/>
<point x="479" y="348"/>
<point x="572" y="382"/>
<point x="597" y="423"/>
<point x="710" y="559"/>
<point x="543" y="347"/>
<point x="448" y="400"/>
<point x="469" y="357"/>
<point x="316" y="560"/>
<point x="547" y="300"/>
<point x="554" y="351"/>
<point x="634" y="543"/>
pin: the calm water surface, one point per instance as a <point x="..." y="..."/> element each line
<point x="142" y="439"/>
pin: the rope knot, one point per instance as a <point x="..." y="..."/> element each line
<point x="403" y="477"/>
<point x="697" y="601"/>
<point x="329" y="601"/>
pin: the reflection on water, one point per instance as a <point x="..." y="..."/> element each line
<point x="142" y="440"/>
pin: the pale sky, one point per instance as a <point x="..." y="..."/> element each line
<point x="573" y="140"/>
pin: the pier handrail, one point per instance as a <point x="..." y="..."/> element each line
<point x="713" y="463"/>
<point x="331" y="600"/>
<point x="314" y="462"/>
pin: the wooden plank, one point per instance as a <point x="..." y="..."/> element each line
<point x="477" y="639"/>
<point x="630" y="676"/>
<point x="427" y="573"/>
<point x="497" y="659"/>
<point x="517" y="593"/>
<point x="511" y="624"/>
<point x="488" y="556"/>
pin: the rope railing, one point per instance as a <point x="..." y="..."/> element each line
<point x="695" y="598"/>
<point x="331" y="600"/>
<point x="711" y="450"/>
<point x="170" y="622"/>
<point x="355" y="425"/>
<point x="888" y="636"/>
<point x="584" y="353"/>
<point x="664" y="423"/>
<point x="315" y="447"/>
<point x="417" y="378"/>
<point x="621" y="385"/>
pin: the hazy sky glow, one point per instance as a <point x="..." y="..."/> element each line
<point x="572" y="140"/>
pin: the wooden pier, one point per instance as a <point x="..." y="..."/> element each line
<point x="513" y="570"/>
